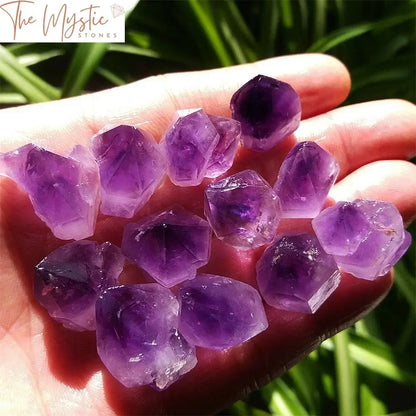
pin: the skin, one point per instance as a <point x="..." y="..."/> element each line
<point x="47" y="369"/>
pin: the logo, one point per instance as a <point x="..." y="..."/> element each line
<point x="71" y="21"/>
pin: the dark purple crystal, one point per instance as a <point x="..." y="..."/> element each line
<point x="268" y="110"/>
<point x="188" y="145"/>
<point x="222" y="157"/>
<point x="296" y="274"/>
<point x="131" y="169"/>
<point x="218" y="312"/>
<point x="365" y="237"/>
<point x="64" y="191"/>
<point x="305" y="178"/>
<point x="243" y="210"/>
<point x="170" y="246"/>
<point x="68" y="281"/>
<point x="137" y="336"/>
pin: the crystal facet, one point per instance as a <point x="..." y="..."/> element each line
<point x="296" y="274"/>
<point x="188" y="145"/>
<point x="218" y="312"/>
<point x="68" y="281"/>
<point x="131" y="169"/>
<point x="365" y="237"/>
<point x="137" y="336"/>
<point x="268" y="110"/>
<point x="243" y="210"/>
<point x="222" y="157"/>
<point x="64" y="191"/>
<point x="305" y="178"/>
<point x="170" y="246"/>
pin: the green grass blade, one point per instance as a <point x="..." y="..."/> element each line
<point x="406" y="283"/>
<point x="347" y="33"/>
<point x="24" y="80"/>
<point x="86" y="59"/>
<point x="268" y="27"/>
<point x="370" y="405"/>
<point x="12" y="98"/>
<point x="199" y="9"/>
<point x="304" y="375"/>
<point x="377" y="357"/>
<point x="287" y="15"/>
<point x="345" y="375"/>
<point x="110" y="76"/>
<point x="320" y="19"/>
<point x="36" y="58"/>
<point x="283" y="400"/>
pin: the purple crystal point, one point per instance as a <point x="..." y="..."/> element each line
<point x="222" y="158"/>
<point x="170" y="246"/>
<point x="137" y="336"/>
<point x="268" y="110"/>
<point x="188" y="145"/>
<point x="131" y="169"/>
<point x="68" y="281"/>
<point x="305" y="178"/>
<point x="296" y="274"/>
<point x="243" y="210"/>
<point x="218" y="312"/>
<point x="64" y="190"/>
<point x="365" y="237"/>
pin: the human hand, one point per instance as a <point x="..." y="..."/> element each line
<point x="45" y="368"/>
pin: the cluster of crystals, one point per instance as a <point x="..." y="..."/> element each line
<point x="146" y="334"/>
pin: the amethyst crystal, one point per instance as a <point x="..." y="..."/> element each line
<point x="68" y="281"/>
<point x="188" y="145"/>
<point x="305" y="178"/>
<point x="131" y="169"/>
<point x="243" y="210"/>
<point x="137" y="336"/>
<point x="365" y="237"/>
<point x="170" y="246"/>
<point x="296" y="274"/>
<point x="218" y="312"/>
<point x="222" y="157"/>
<point x="268" y="110"/>
<point x="64" y="190"/>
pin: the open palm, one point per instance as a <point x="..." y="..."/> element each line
<point x="47" y="369"/>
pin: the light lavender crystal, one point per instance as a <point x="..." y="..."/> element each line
<point x="64" y="191"/>
<point x="170" y="245"/>
<point x="131" y="169"/>
<point x="305" y="178"/>
<point x="365" y="237"/>
<point x="296" y="274"/>
<point x="218" y="312"/>
<point x="243" y="210"/>
<point x="137" y="336"/>
<point x="68" y="281"/>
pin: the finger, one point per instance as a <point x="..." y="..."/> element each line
<point x="393" y="181"/>
<point x="154" y="100"/>
<point x="363" y="133"/>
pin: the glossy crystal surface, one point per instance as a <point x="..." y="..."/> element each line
<point x="64" y="191"/>
<point x="243" y="210"/>
<point x="218" y="312"/>
<point x="137" y="336"/>
<point x="131" y="169"/>
<point x="305" y="178"/>
<point x="296" y="274"/>
<point x="268" y="110"/>
<point x="170" y="246"/>
<point x="188" y="145"/>
<point x="68" y="281"/>
<point x="222" y="157"/>
<point x="365" y="237"/>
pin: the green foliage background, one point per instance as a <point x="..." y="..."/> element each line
<point x="370" y="368"/>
